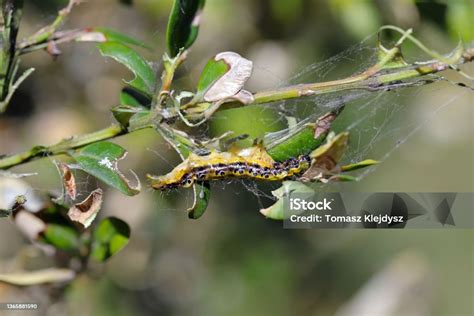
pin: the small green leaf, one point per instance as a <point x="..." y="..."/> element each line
<point x="213" y="70"/>
<point x="145" y="77"/>
<point x="388" y="59"/>
<point x="183" y="25"/>
<point x="61" y="237"/>
<point x="110" y="236"/>
<point x="131" y="103"/>
<point x="124" y="113"/>
<point x="359" y="165"/>
<point x="128" y="100"/>
<point x="202" y="194"/>
<point x="289" y="188"/>
<point x="130" y="96"/>
<point x="100" y="160"/>
<point x="300" y="143"/>
<point x="27" y="278"/>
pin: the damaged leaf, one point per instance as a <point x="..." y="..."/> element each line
<point x="224" y="76"/>
<point x="86" y="211"/>
<point x="326" y="157"/>
<point x="69" y="181"/>
<point x="100" y="160"/>
<point x="145" y="77"/>
<point x="202" y="194"/>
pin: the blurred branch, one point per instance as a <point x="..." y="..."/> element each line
<point x="53" y="40"/>
<point x="12" y="12"/>
<point x="47" y="33"/>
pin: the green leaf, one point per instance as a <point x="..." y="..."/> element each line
<point x="114" y="36"/>
<point x="128" y="100"/>
<point x="213" y="70"/>
<point x="300" y="143"/>
<point x="109" y="237"/>
<point x="145" y="77"/>
<point x="27" y="278"/>
<point x="183" y="25"/>
<point x="61" y="237"/>
<point x="359" y="165"/>
<point x="131" y="102"/>
<point x="289" y="188"/>
<point x="130" y="96"/>
<point x="100" y="160"/>
<point x="388" y="59"/>
<point x="124" y="113"/>
<point x="202" y="194"/>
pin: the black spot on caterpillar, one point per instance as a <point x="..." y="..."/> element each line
<point x="252" y="163"/>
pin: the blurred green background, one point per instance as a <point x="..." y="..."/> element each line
<point x="233" y="261"/>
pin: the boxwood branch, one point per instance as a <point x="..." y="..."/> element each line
<point x="62" y="147"/>
<point x="371" y="79"/>
<point x="368" y="80"/>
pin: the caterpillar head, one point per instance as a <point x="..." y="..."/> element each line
<point x="170" y="181"/>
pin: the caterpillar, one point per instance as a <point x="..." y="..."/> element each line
<point x="253" y="163"/>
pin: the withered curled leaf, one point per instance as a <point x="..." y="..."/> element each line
<point x="69" y="182"/>
<point x="86" y="211"/>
